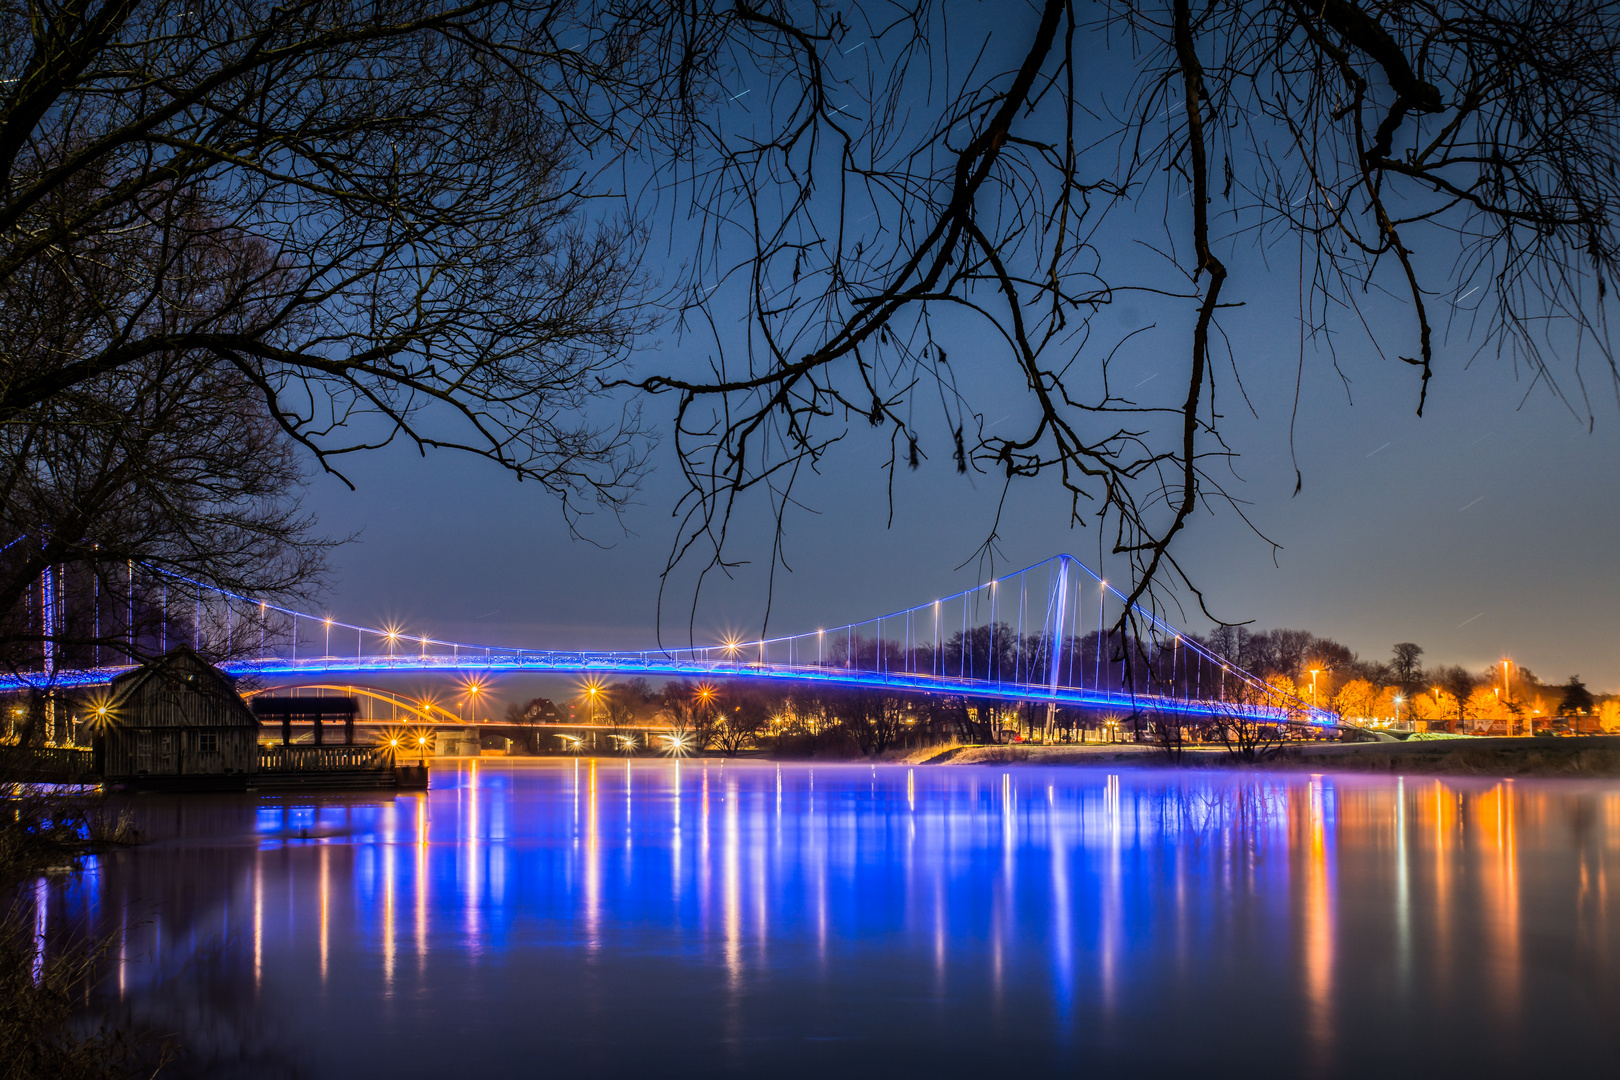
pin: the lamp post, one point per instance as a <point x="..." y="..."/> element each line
<point x="1507" y="697"/>
<point x="1313" y="687"/>
<point x="591" y="691"/>
<point x="1398" y="700"/>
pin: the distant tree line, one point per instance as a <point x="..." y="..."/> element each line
<point x="1296" y="668"/>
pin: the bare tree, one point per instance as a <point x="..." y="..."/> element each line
<point x="528" y="715"/>
<point x="874" y="719"/>
<point x="1405" y="665"/>
<point x="168" y="464"/>
<point x="884" y="178"/>
<point x="736" y="728"/>
<point x="1459" y="682"/>
<point x="233" y="228"/>
<point x="1247" y="733"/>
<point x="867" y="184"/>
<point x="691" y="711"/>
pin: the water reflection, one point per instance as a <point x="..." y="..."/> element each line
<point x="609" y="915"/>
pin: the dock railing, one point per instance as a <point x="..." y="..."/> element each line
<point x="321" y="758"/>
<point x="46" y="764"/>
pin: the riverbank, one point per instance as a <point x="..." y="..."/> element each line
<point x="1590" y="756"/>
<point x="1586" y="756"/>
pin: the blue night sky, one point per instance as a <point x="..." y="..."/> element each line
<point x="1484" y="529"/>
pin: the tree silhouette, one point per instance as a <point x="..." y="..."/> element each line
<point x="1577" y="700"/>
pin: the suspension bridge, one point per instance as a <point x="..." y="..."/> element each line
<point x="1050" y="634"/>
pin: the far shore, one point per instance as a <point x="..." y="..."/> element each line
<point x="1586" y="756"/>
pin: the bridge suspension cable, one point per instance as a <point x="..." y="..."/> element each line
<point x="1025" y="635"/>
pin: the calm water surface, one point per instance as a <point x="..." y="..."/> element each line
<point x="647" y="918"/>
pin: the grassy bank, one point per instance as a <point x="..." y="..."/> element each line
<point x="43" y="983"/>
<point x="1594" y="756"/>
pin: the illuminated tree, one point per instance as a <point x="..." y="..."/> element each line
<point x="1357" y="699"/>
<point x="1282" y="693"/>
<point x="1484" y="708"/>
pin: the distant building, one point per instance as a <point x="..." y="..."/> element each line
<point x="178" y="721"/>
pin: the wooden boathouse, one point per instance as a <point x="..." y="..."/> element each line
<point x="179" y="722"/>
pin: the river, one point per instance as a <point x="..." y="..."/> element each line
<point x="621" y="917"/>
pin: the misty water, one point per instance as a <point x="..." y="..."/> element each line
<point x="638" y="917"/>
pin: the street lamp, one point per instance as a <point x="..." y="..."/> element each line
<point x="1313" y="686"/>
<point x="1398" y="700"/>
<point x="1507" y="698"/>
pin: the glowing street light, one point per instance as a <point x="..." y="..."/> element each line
<point x="473" y="689"/>
<point x="591" y="689"/>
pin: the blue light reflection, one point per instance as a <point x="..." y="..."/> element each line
<point x="617" y="915"/>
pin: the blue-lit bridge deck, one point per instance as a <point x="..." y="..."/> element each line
<point x="1020" y="638"/>
<point x="666" y="666"/>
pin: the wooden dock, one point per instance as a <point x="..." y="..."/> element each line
<point x="279" y="768"/>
